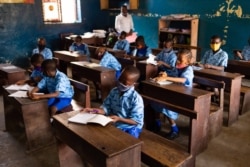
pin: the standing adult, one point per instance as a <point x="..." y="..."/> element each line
<point x="124" y="21"/>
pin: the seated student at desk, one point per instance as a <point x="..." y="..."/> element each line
<point x="184" y="75"/>
<point x="122" y="43"/>
<point x="80" y="47"/>
<point x="55" y="85"/>
<point x="166" y="59"/>
<point x="37" y="74"/>
<point x="124" y="104"/>
<point x="245" y="54"/>
<point x="42" y="49"/>
<point x="215" y="58"/>
<point x="141" y="50"/>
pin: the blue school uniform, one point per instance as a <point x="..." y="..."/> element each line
<point x="37" y="72"/>
<point x="187" y="73"/>
<point x="220" y="58"/>
<point x="108" y="60"/>
<point x="58" y="83"/>
<point x="82" y="49"/>
<point x="46" y="52"/>
<point x="168" y="57"/>
<point x="129" y="105"/>
<point x="246" y="53"/>
<point x="122" y="45"/>
<point x="143" y="52"/>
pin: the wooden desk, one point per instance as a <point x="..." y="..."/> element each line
<point x="10" y="74"/>
<point x="31" y="117"/>
<point x="147" y="70"/>
<point x="232" y="85"/>
<point x="100" y="146"/>
<point x="105" y="76"/>
<point x="65" y="57"/>
<point x="179" y="98"/>
<point x="239" y="66"/>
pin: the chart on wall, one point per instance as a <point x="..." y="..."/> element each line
<point x="16" y="1"/>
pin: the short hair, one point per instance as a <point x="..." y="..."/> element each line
<point x="123" y="33"/>
<point x="124" y="6"/>
<point x="36" y="58"/>
<point x="216" y="37"/>
<point x="132" y="71"/>
<point x="140" y="40"/>
<point x="49" y="65"/>
<point x="187" y="53"/>
<point x="78" y="37"/>
<point x="169" y="40"/>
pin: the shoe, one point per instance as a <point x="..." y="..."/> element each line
<point x="172" y="135"/>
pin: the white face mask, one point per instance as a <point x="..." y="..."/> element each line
<point x="122" y="87"/>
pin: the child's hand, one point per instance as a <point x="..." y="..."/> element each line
<point x="21" y="82"/>
<point x="115" y="118"/>
<point x="91" y="110"/>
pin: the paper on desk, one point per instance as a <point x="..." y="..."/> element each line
<point x="196" y="68"/>
<point x="19" y="93"/>
<point x="151" y="59"/>
<point x="19" y="87"/>
<point x="92" y="65"/>
<point x="9" y="67"/>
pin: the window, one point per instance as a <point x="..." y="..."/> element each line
<point x="61" y="11"/>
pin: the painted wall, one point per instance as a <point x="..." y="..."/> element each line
<point x="228" y="18"/>
<point x="21" y="24"/>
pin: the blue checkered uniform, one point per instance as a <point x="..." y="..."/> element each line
<point x="246" y="53"/>
<point x="46" y="52"/>
<point x="122" y="45"/>
<point x="220" y="58"/>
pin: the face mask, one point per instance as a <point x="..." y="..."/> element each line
<point x="41" y="47"/>
<point x="167" y="49"/>
<point x="215" y="47"/>
<point x="38" y="68"/>
<point x="122" y="87"/>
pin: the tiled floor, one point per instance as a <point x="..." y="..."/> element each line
<point x="230" y="149"/>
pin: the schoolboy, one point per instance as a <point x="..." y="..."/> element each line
<point x="80" y="47"/>
<point x="141" y="51"/>
<point x="55" y="85"/>
<point x="245" y="54"/>
<point x="122" y="43"/>
<point x="124" y="104"/>
<point x="42" y="49"/>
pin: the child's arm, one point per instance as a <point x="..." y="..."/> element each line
<point x="21" y="82"/>
<point x="125" y="120"/>
<point x="176" y="79"/>
<point x="32" y="94"/>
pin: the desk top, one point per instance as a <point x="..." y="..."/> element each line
<point x="109" y="140"/>
<point x="218" y="73"/>
<point x="84" y="64"/>
<point x="68" y="53"/>
<point x="24" y="101"/>
<point x="9" y="68"/>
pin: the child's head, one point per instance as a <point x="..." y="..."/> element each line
<point x="49" y="67"/>
<point x="215" y="43"/>
<point x="100" y="52"/>
<point x="41" y="43"/>
<point x="36" y="60"/>
<point x="78" y="40"/>
<point x="168" y="44"/>
<point x="139" y="42"/>
<point x="184" y="57"/>
<point x="128" y="78"/>
<point x="123" y="35"/>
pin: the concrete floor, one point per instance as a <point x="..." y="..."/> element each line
<point x="230" y="149"/>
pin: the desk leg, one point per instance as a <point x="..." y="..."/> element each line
<point x="234" y="101"/>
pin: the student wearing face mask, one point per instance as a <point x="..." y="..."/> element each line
<point x="124" y="104"/>
<point x="215" y="58"/>
<point x="124" y="21"/>
<point x="166" y="59"/>
<point x="245" y="54"/>
<point x="41" y="49"/>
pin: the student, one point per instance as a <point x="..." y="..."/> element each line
<point x="245" y="54"/>
<point x="122" y="43"/>
<point x="124" y="21"/>
<point x="56" y="87"/>
<point x="124" y="104"/>
<point x="80" y="47"/>
<point x="41" y="48"/>
<point x="166" y="59"/>
<point x="215" y="58"/>
<point x="37" y="74"/>
<point x="141" y="51"/>
<point x="108" y="60"/>
<point x="184" y="75"/>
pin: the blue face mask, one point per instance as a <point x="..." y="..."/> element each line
<point x="123" y="88"/>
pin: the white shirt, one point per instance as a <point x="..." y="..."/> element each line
<point x="123" y="23"/>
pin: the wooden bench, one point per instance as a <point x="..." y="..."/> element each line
<point x="81" y="96"/>
<point x="215" y="120"/>
<point x="160" y="152"/>
<point x="245" y="99"/>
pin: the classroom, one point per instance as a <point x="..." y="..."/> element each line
<point x="207" y="138"/>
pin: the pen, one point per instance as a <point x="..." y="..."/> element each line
<point x="95" y="111"/>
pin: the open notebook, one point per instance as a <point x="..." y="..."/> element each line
<point x="84" y="118"/>
<point x="19" y="87"/>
